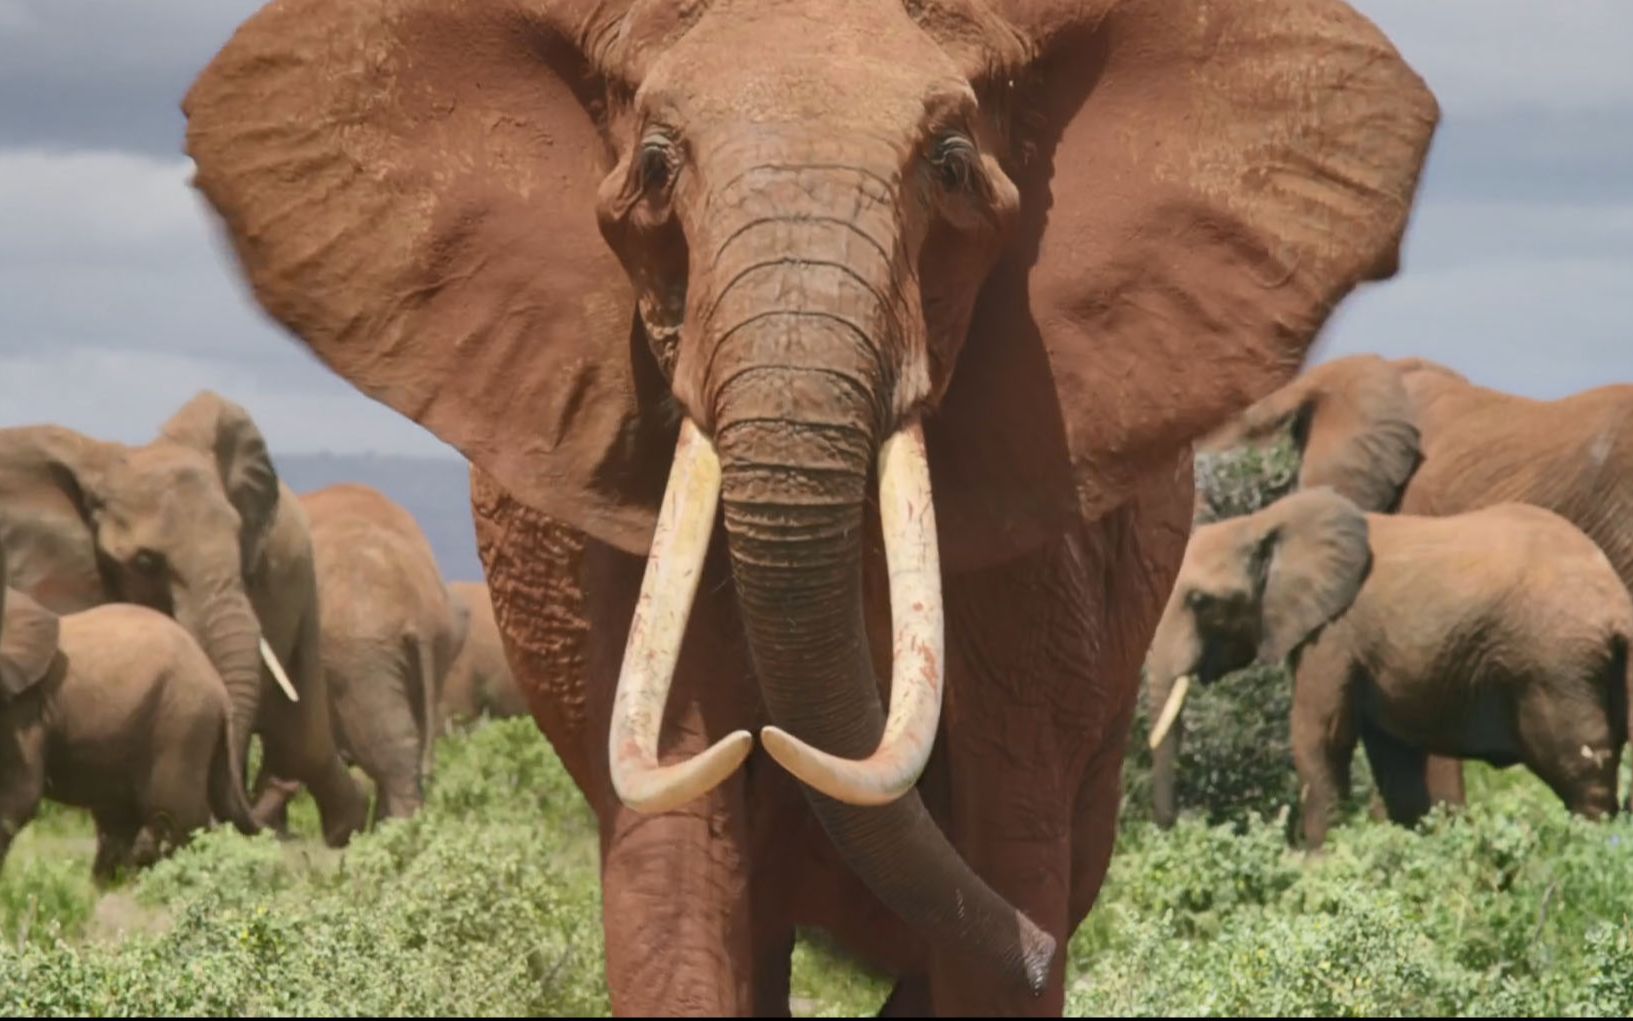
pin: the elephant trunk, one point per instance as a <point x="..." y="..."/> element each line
<point x="802" y="390"/>
<point x="794" y="527"/>
<point x="230" y="633"/>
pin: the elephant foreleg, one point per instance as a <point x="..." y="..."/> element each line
<point x="1401" y="773"/>
<point x="1323" y="747"/>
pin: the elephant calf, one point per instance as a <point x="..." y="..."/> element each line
<point x="390" y="632"/>
<point x="117" y="710"/>
<point x="1500" y="635"/>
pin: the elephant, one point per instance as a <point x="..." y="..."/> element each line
<point x="114" y="709"/>
<point x="869" y="369"/>
<point x="1499" y="634"/>
<point x="197" y="525"/>
<point x="479" y="683"/>
<point x="1415" y="436"/>
<point x="391" y="631"/>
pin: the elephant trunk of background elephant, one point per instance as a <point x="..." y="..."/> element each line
<point x="230" y="633"/>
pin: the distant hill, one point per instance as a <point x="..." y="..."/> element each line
<point x="436" y="490"/>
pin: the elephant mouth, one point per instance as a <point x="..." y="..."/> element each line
<point x="674" y="566"/>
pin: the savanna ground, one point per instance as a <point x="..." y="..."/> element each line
<point x="487" y="902"/>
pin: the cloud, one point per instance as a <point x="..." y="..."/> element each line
<point x="117" y="305"/>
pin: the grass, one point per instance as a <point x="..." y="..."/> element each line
<point x="488" y="903"/>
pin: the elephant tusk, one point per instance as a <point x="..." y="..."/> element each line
<point x="907" y="517"/>
<point x="685" y="523"/>
<point x="278" y="671"/>
<point x="1170" y="710"/>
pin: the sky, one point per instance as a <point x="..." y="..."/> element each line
<point x="118" y="302"/>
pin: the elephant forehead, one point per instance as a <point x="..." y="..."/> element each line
<point x="875" y="66"/>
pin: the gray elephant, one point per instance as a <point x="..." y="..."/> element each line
<point x="117" y="710"/>
<point x="194" y="524"/>
<point x="391" y="631"/>
<point x="480" y="682"/>
<point x="1501" y="634"/>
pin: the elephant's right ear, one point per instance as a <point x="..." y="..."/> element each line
<point x="409" y="186"/>
<point x="28" y="642"/>
<point x="1316" y="554"/>
<point x="50" y="479"/>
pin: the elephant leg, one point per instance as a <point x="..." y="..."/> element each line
<point x="22" y="778"/>
<point x="1445" y="778"/>
<point x="176" y="796"/>
<point x="376" y="723"/>
<point x="1401" y="773"/>
<point x="116" y="830"/>
<point x="297" y="744"/>
<point x="1323" y="747"/>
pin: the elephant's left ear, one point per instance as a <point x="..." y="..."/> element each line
<point x="410" y="188"/>
<point x="1201" y="181"/>
<point x="1315" y="554"/>
<point x="225" y="431"/>
<point x="28" y="642"/>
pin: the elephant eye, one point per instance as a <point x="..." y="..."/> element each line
<point x="657" y="163"/>
<point x="147" y="562"/>
<point x="953" y="158"/>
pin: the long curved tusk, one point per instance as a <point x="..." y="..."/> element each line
<point x="1170" y="710"/>
<point x="278" y="671"/>
<point x="908" y="519"/>
<point x="673" y="568"/>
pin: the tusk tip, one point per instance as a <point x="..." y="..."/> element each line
<point x="826" y="773"/>
<point x="653" y="790"/>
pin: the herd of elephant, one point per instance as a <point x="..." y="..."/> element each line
<point x="164" y="603"/>
<point x="1449" y="580"/>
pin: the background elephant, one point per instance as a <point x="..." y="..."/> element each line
<point x="644" y="262"/>
<point x="1415" y="436"/>
<point x="196" y="525"/>
<point x="390" y="632"/>
<point x="479" y="683"/>
<point x="1500" y="634"/>
<point x="117" y="710"/>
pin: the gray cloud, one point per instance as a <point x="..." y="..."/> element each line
<point x="117" y="301"/>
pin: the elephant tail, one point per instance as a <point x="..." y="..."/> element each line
<point x="422" y="657"/>
<point x="227" y="799"/>
<point x="1621" y="693"/>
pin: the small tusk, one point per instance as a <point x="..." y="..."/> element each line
<point x="278" y="671"/>
<point x="908" y="520"/>
<point x="1170" y="710"/>
<point x="679" y="544"/>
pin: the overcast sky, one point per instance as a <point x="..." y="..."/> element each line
<point x="116" y="304"/>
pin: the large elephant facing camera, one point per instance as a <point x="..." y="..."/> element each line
<point x="1500" y="634"/>
<point x="929" y="299"/>
<point x="194" y="524"/>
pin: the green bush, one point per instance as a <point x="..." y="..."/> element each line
<point x="1512" y="907"/>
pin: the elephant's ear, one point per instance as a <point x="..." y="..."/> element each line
<point x="410" y="186"/>
<point x="1354" y="424"/>
<point x="50" y="480"/>
<point x="1201" y="182"/>
<point x="1317" y="555"/>
<point x="28" y="642"/>
<point x="224" y="431"/>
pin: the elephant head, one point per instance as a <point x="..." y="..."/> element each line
<point x="176" y="525"/>
<point x="1353" y="423"/>
<point x="28" y="639"/>
<point x="1027" y="250"/>
<point x="1251" y="589"/>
